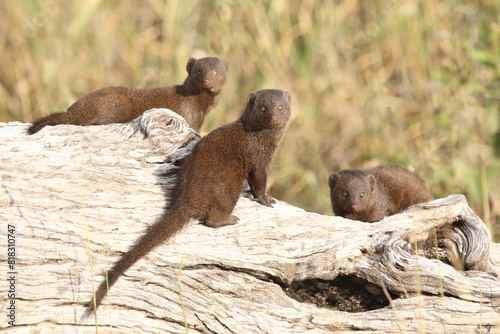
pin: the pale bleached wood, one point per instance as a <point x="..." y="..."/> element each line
<point x="233" y="278"/>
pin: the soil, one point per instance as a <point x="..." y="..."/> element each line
<point x="343" y="294"/>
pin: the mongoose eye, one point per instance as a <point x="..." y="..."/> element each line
<point x="344" y="194"/>
<point x="280" y="107"/>
<point x="362" y="195"/>
<point x="262" y="109"/>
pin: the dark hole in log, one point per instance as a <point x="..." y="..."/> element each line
<point x="345" y="293"/>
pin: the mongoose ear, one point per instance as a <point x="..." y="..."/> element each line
<point x="288" y="97"/>
<point x="226" y="65"/>
<point x="372" y="181"/>
<point x="333" y="179"/>
<point x="251" y="99"/>
<point x="190" y="64"/>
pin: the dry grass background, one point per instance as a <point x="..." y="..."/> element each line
<point x="412" y="82"/>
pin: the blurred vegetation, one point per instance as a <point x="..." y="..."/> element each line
<point x="414" y="83"/>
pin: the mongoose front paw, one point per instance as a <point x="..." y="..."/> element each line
<point x="267" y="200"/>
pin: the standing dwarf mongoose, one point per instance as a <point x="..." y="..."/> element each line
<point x="209" y="181"/>
<point x="376" y="193"/>
<point x="200" y="92"/>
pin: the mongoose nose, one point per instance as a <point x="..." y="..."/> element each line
<point x="273" y="118"/>
<point x="354" y="207"/>
<point x="206" y="82"/>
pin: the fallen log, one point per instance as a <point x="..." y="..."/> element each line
<point x="75" y="198"/>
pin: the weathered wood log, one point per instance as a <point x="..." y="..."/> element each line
<point x="68" y="191"/>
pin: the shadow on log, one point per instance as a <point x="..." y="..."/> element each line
<point x="70" y="189"/>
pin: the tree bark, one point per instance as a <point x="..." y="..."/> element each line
<point x="69" y="192"/>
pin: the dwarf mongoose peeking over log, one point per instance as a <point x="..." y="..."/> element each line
<point x="209" y="181"/>
<point x="376" y="193"/>
<point x="200" y="92"/>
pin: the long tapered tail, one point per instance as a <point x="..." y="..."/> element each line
<point x="52" y="119"/>
<point x="166" y="227"/>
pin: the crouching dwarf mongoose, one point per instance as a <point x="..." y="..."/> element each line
<point x="373" y="194"/>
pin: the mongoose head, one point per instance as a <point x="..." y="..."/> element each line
<point x="268" y="108"/>
<point x="351" y="191"/>
<point x="208" y="73"/>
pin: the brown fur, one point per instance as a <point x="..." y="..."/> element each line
<point x="200" y="92"/>
<point x="371" y="195"/>
<point x="210" y="179"/>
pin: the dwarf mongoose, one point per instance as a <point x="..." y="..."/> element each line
<point x="209" y="181"/>
<point x="373" y="194"/>
<point x="200" y="92"/>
